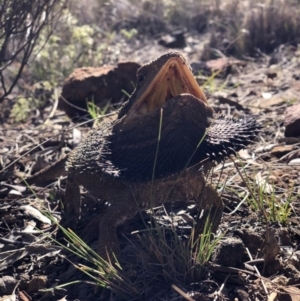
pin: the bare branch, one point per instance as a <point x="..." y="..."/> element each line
<point x="21" y="24"/>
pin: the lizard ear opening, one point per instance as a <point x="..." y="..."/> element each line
<point x="140" y="77"/>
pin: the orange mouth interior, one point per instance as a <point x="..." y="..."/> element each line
<point x="174" y="78"/>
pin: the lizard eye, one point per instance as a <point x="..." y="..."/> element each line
<point x="140" y="77"/>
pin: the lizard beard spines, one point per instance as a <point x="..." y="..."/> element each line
<point x="226" y="136"/>
<point x="178" y="149"/>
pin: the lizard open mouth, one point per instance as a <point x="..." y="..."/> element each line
<point x="174" y="78"/>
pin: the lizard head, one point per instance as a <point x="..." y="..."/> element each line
<point x="159" y="81"/>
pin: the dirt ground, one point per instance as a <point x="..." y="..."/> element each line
<point x="258" y="256"/>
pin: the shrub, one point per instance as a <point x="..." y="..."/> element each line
<point x="21" y="23"/>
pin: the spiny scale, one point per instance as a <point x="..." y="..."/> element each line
<point x="224" y="137"/>
<point x="227" y="136"/>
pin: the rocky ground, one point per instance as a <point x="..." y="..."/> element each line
<point x="258" y="256"/>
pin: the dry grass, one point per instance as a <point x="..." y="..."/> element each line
<point x="236" y="27"/>
<point x="270" y="25"/>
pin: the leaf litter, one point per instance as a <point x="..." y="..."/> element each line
<point x="271" y="165"/>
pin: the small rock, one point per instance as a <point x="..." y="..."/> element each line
<point x="7" y="285"/>
<point x="292" y="273"/>
<point x="292" y="121"/>
<point x="251" y="238"/>
<point x="37" y="282"/>
<point x="230" y="252"/>
<point x="294" y="162"/>
<point x="101" y="85"/>
<point x="285" y="237"/>
<point x="280" y="150"/>
<point x="14" y="193"/>
<point x="175" y="40"/>
<point x="76" y="136"/>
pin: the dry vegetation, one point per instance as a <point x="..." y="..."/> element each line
<point x="260" y="189"/>
<point x="21" y="25"/>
